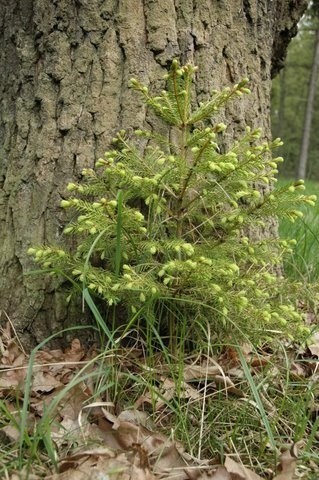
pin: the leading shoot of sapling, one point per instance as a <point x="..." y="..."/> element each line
<point x="167" y="224"/>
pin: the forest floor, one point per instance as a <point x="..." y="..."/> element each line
<point x="77" y="414"/>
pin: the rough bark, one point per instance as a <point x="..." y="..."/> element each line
<point x="64" y="93"/>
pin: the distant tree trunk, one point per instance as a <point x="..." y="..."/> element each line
<point x="305" y="141"/>
<point x="65" y="66"/>
<point x="282" y="98"/>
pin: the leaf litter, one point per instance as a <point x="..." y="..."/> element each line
<point x="94" y="440"/>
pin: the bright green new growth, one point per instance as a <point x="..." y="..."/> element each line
<point x="163" y="231"/>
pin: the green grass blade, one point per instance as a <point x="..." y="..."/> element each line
<point x="257" y="398"/>
<point x="99" y="320"/>
<point x="118" y="252"/>
<point x="28" y="383"/>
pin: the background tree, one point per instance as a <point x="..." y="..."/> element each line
<point x="64" y="93"/>
<point x="303" y="159"/>
<point x="294" y="117"/>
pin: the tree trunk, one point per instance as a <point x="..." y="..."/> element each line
<point x="282" y="98"/>
<point x="303" y="159"/>
<point x="64" y="93"/>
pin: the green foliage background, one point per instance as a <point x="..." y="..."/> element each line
<point x="289" y="96"/>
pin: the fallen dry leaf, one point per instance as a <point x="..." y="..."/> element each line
<point x="12" y="433"/>
<point x="239" y="471"/>
<point x="76" y="352"/>
<point x="297" y="371"/>
<point x="44" y="382"/>
<point x="200" y="372"/>
<point x="288" y="462"/>
<point x="220" y="474"/>
<point x="167" y="391"/>
<point x="313" y="344"/>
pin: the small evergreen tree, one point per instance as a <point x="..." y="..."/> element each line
<point x="162" y="233"/>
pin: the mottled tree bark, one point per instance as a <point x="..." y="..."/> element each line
<point x="65" y="67"/>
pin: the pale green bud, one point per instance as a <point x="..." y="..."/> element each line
<point x="297" y="213"/>
<point x="188" y="248"/>
<point x="191" y="264"/>
<point x="233" y="267"/>
<point x="304" y="330"/>
<point x="139" y="216"/>
<point x="243" y="301"/>
<point x="277" y="142"/>
<point x="214" y="167"/>
<point x="266" y="315"/>
<point x="242" y="193"/>
<point x="220" y="127"/>
<point x="216" y="288"/>
<point x="257" y="133"/>
<point x="100" y="163"/>
<point x="229" y="166"/>
<point x="136" y="178"/>
<point x="256" y="194"/>
<point x="142" y="297"/>
<point x="86" y="172"/>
